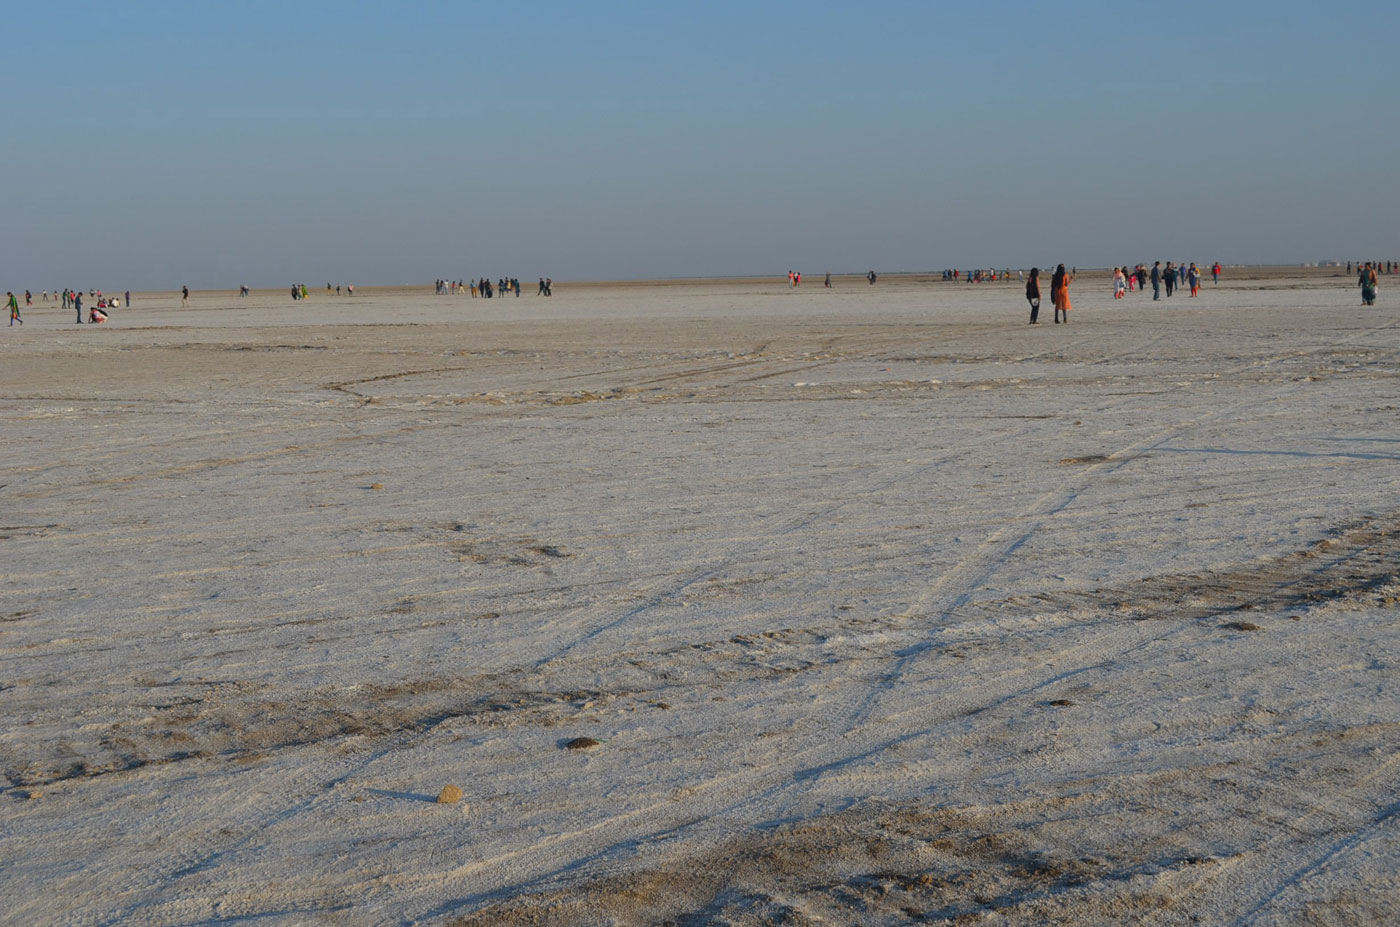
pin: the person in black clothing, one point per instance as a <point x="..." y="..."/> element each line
<point x="1156" y="280"/>
<point x="1033" y="293"/>
<point x="1171" y="279"/>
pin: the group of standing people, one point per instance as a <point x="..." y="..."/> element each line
<point x="988" y="275"/>
<point x="74" y="299"/>
<point x="1171" y="276"/>
<point x="1059" y="293"/>
<point x="1124" y="281"/>
<point x="300" y="290"/>
<point x="486" y="289"/>
<point x="1175" y="275"/>
<point x="98" y="312"/>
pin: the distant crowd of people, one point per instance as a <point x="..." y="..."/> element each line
<point x="70" y="297"/>
<point x="795" y="279"/>
<point x="1169" y="277"/>
<point x="988" y="275"/>
<point x="1172" y="277"/>
<point x="300" y="290"/>
<point x="1124" y="281"/>
<point x="99" y="308"/>
<point x="487" y="289"/>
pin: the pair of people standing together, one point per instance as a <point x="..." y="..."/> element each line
<point x="1059" y="293"/>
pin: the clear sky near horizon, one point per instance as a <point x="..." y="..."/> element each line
<point x="149" y="145"/>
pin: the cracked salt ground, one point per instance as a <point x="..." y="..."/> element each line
<point x="1092" y="626"/>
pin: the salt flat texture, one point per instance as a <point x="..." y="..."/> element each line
<point x="882" y="606"/>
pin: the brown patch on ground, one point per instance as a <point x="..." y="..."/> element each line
<point x="891" y="865"/>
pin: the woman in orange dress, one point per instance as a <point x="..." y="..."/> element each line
<point x="1059" y="293"/>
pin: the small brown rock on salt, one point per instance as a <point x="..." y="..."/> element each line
<point x="449" y="795"/>
<point x="581" y="743"/>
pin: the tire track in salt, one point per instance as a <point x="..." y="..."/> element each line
<point x="954" y="589"/>
<point x="716" y="824"/>
<point x="668" y="589"/>
<point x="1295" y="878"/>
<point x="665" y="591"/>
<point x="671" y="588"/>
<point x="792" y="781"/>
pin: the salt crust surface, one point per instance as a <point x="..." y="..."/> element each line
<point x="881" y="605"/>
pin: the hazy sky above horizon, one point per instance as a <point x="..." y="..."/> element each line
<point x="149" y="145"/>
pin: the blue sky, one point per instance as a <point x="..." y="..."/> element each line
<point x="153" y="144"/>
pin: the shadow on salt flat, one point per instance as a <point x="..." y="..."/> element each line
<point x="402" y="796"/>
